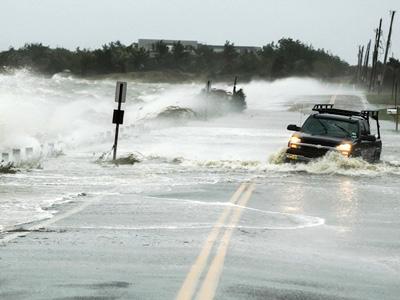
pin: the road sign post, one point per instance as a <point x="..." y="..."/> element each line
<point x="118" y="115"/>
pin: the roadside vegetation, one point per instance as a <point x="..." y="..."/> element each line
<point x="285" y="58"/>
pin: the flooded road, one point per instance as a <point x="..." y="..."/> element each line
<point x="210" y="212"/>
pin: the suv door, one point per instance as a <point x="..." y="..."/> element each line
<point x="376" y="148"/>
<point x="367" y="147"/>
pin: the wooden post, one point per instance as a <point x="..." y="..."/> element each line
<point x="393" y="85"/>
<point x="377" y="51"/>
<point x="359" y="65"/>
<point x="395" y="105"/>
<point x="361" y="59"/>
<point x="371" y="75"/>
<point x="387" y="47"/>
<point x="366" y="61"/>
<point x="5" y="157"/>
<point x="16" y="155"/>
<point x="375" y="56"/>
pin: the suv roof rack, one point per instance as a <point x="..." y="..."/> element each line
<point x="365" y="114"/>
<point x="328" y="109"/>
<point x="373" y="114"/>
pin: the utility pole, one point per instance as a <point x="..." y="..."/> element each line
<point x="366" y="61"/>
<point x="359" y="65"/>
<point x="387" y="46"/>
<point x="395" y="106"/>
<point x="377" y="51"/>
<point x="371" y="75"/>
<point x="393" y="86"/>
<point x="375" y="56"/>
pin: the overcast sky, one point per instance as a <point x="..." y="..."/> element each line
<point x="337" y="25"/>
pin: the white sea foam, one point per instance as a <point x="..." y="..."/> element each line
<point x="335" y="163"/>
<point x="332" y="163"/>
<point x="76" y="112"/>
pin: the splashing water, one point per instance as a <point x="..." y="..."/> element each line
<point x="335" y="163"/>
<point x="75" y="115"/>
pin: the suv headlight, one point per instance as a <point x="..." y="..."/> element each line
<point x="344" y="148"/>
<point x="294" y="140"/>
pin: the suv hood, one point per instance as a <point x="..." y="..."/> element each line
<point x="321" y="140"/>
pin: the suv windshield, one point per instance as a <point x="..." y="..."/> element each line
<point x="330" y="127"/>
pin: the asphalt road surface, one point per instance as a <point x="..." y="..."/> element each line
<point x="213" y="229"/>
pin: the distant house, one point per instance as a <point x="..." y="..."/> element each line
<point x="239" y="49"/>
<point x="150" y="45"/>
<point x="249" y="49"/>
<point x="215" y="48"/>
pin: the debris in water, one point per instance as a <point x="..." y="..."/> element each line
<point x="7" y="168"/>
<point x="234" y="101"/>
<point x="130" y="159"/>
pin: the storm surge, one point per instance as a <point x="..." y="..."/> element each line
<point x="166" y="120"/>
<point x="183" y="140"/>
<point x="35" y="109"/>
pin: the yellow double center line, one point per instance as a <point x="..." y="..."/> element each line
<point x="210" y="282"/>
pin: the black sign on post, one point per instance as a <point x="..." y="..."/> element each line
<point x="120" y="92"/>
<point x="118" y="115"/>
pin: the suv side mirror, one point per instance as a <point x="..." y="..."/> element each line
<point x="293" y="127"/>
<point x="369" y="138"/>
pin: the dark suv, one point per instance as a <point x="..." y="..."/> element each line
<point x="329" y="129"/>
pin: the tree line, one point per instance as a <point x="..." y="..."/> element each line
<point x="287" y="57"/>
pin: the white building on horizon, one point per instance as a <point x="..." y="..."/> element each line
<point x="149" y="45"/>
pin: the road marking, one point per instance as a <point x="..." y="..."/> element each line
<point x="333" y="99"/>
<point x="189" y="285"/>
<point x="210" y="283"/>
<point x="47" y="222"/>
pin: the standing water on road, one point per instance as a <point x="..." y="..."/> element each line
<point x="312" y="227"/>
<point x="200" y="148"/>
